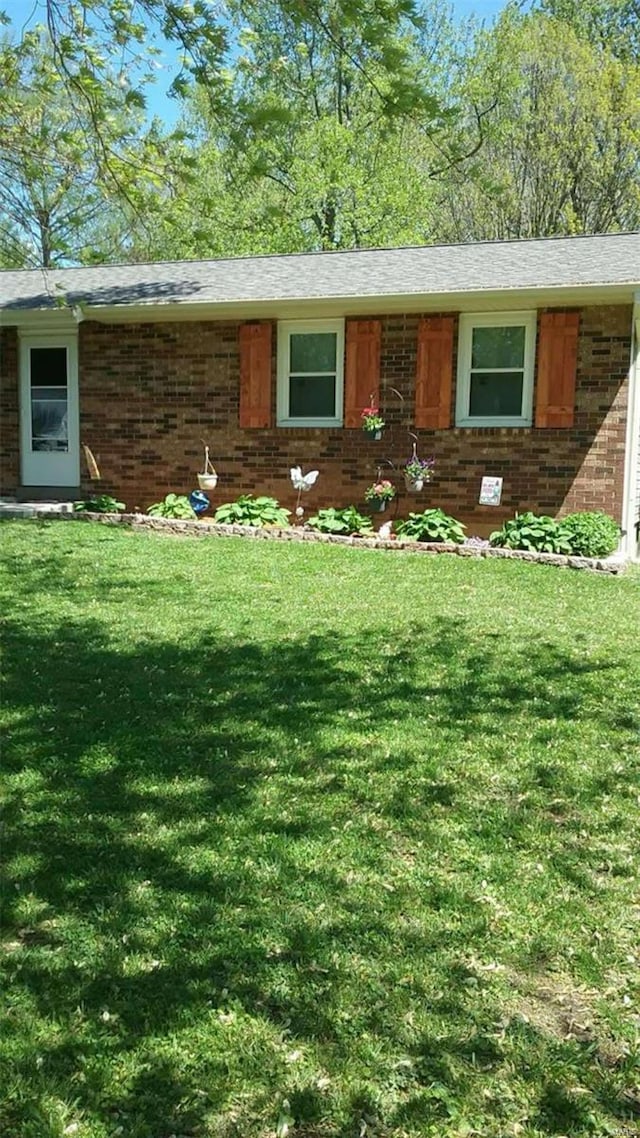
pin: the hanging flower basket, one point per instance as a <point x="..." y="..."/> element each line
<point x="380" y="494"/>
<point x="372" y="422"/>
<point x="417" y="471"/>
<point x="208" y="479"/>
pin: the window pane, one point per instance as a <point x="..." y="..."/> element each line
<point x="48" y="367"/>
<point x="496" y="393"/>
<point x="498" y="347"/>
<point x="312" y="397"/>
<point x="313" y="351"/>
<point x="49" y="393"/>
<point x="49" y="424"/>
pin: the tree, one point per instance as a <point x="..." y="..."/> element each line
<point x="60" y="201"/>
<point x="309" y="157"/>
<point x="561" y="151"/>
<point x="613" y="25"/>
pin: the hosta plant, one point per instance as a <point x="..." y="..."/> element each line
<point x="592" y="534"/>
<point x="248" y="510"/>
<point x="172" y="506"/>
<point x="101" y="504"/>
<point x="344" y="521"/>
<point x="432" y="525"/>
<point x="534" y="532"/>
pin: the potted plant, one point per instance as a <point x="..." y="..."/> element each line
<point x="416" y="472"/>
<point x="380" y="494"/>
<point x="372" y="422"/>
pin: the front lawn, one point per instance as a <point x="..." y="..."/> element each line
<point x="315" y="840"/>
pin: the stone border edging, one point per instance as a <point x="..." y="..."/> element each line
<point x="612" y="565"/>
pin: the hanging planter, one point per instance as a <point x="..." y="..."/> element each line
<point x="417" y="471"/>
<point x="372" y="422"/>
<point x="208" y="478"/>
<point x="379" y="494"/>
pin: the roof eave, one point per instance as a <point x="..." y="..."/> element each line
<point x="288" y="308"/>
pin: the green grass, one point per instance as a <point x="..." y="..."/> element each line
<point x="318" y="837"/>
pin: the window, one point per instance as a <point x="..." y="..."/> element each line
<point x="310" y="373"/>
<point x="495" y="370"/>
<point x="48" y="382"/>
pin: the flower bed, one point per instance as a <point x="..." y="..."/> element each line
<point x="470" y="548"/>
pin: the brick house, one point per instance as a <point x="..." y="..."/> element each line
<point x="516" y="359"/>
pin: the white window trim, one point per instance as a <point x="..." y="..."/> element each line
<point x="285" y="330"/>
<point x="469" y="321"/>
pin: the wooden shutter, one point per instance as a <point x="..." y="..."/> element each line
<point x="557" y="364"/>
<point x="255" y="375"/>
<point x="434" y="373"/>
<point x="362" y="368"/>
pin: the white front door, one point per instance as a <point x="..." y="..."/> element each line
<point x="49" y="427"/>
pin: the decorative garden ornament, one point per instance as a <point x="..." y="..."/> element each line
<point x="302" y="483"/>
<point x="198" y="502"/>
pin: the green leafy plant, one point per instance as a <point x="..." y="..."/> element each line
<point x="172" y="506"/>
<point x="248" y="510"/>
<point x="348" y="520"/>
<point x="591" y="534"/>
<point x="432" y="525"/>
<point x="535" y="532"/>
<point x="101" y="504"/>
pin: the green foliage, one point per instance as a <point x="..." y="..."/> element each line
<point x="432" y="525"/>
<point x="561" y="134"/>
<point x="592" y="534"/>
<point x="68" y="195"/>
<point x="347" y="520"/>
<point x="531" y="531"/>
<point x="172" y="506"/>
<point x="102" y="504"/>
<point x="248" y="510"/>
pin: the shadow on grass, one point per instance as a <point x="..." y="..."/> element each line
<point x="159" y="799"/>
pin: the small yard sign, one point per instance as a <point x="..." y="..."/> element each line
<point x="490" y="491"/>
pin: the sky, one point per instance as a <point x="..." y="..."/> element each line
<point x="21" y="12"/>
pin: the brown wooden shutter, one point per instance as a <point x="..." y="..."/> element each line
<point x="255" y="375"/>
<point x="362" y="368"/>
<point x="557" y="363"/>
<point x="434" y="373"/>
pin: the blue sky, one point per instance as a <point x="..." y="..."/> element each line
<point x="32" y="11"/>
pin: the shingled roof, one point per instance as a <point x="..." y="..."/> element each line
<point x="612" y="259"/>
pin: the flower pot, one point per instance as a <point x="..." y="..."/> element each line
<point x="374" y="434"/>
<point x="413" y="485"/>
<point x="381" y="506"/>
<point x="207" y="481"/>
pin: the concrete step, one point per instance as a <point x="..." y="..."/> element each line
<point x="11" y="508"/>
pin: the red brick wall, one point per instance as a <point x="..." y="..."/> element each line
<point x="9" y="414"/>
<point x="150" y="393"/>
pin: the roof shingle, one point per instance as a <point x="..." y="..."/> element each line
<point x="612" y="259"/>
